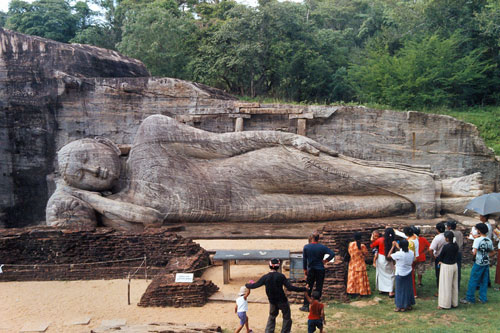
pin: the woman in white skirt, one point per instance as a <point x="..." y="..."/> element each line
<point x="385" y="266"/>
<point x="448" y="274"/>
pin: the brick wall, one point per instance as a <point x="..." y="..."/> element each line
<point x="45" y="253"/>
<point x="164" y="291"/>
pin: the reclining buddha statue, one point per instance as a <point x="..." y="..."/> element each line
<point x="178" y="173"/>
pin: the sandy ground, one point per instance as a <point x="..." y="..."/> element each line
<point x="62" y="302"/>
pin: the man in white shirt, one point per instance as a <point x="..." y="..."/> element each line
<point x="435" y="249"/>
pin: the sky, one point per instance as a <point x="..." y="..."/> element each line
<point x="4" y="4"/>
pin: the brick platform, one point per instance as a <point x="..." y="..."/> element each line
<point x="46" y="253"/>
<point x="164" y="291"/>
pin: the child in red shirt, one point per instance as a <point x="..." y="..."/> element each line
<point x="423" y="248"/>
<point x="316" y="317"/>
<point x="374" y="237"/>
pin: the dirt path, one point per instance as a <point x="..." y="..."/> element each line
<point x="62" y="302"/>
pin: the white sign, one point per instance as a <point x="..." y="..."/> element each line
<point x="184" y="277"/>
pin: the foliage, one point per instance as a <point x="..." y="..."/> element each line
<point x="97" y="35"/>
<point x="405" y="54"/>
<point x="426" y="72"/>
<point x="230" y="55"/>
<point x="53" y="19"/>
<point x="92" y="29"/>
<point x="273" y="50"/>
<point x="3" y="18"/>
<point x="158" y="34"/>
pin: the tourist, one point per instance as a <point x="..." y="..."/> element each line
<point x="404" y="290"/>
<point x="423" y="247"/>
<point x="475" y="234"/>
<point x="448" y="273"/>
<point x="451" y="225"/>
<point x="413" y="246"/>
<point x="485" y="219"/>
<point x="489" y="235"/>
<point x="314" y="269"/>
<point x="481" y="248"/>
<point x="435" y="249"/>
<point x="384" y="280"/>
<point x="241" y="309"/>
<point x="496" y="234"/>
<point x="316" y="318"/>
<point x="374" y="237"/>
<point x="357" y="277"/>
<point x="274" y="282"/>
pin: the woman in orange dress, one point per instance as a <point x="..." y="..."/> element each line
<point x="357" y="277"/>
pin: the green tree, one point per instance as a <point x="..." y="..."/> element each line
<point x="101" y="35"/>
<point x="104" y="28"/>
<point x="424" y="73"/>
<point x="53" y="19"/>
<point x="230" y="54"/>
<point x="3" y="18"/>
<point x="160" y="35"/>
<point x="272" y="50"/>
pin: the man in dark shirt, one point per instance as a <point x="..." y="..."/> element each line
<point x="313" y="262"/>
<point x="274" y="282"/>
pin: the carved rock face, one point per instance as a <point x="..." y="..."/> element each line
<point x="89" y="164"/>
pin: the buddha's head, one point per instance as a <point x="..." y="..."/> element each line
<point x="90" y="164"/>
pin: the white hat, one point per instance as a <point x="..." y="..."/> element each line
<point x="243" y="291"/>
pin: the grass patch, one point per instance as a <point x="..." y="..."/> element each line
<point x="424" y="318"/>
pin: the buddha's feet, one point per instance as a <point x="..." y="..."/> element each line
<point x="466" y="186"/>
<point x="457" y="192"/>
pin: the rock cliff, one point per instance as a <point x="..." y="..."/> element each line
<point x="53" y="93"/>
<point x="32" y="72"/>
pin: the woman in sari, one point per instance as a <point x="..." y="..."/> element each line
<point x="357" y="277"/>
<point x="385" y="267"/>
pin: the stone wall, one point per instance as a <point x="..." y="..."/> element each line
<point x="53" y="93"/>
<point x="45" y="253"/>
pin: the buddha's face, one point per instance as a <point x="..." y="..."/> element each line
<point x="89" y="165"/>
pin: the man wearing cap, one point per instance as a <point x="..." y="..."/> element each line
<point x="313" y="260"/>
<point x="274" y="282"/>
